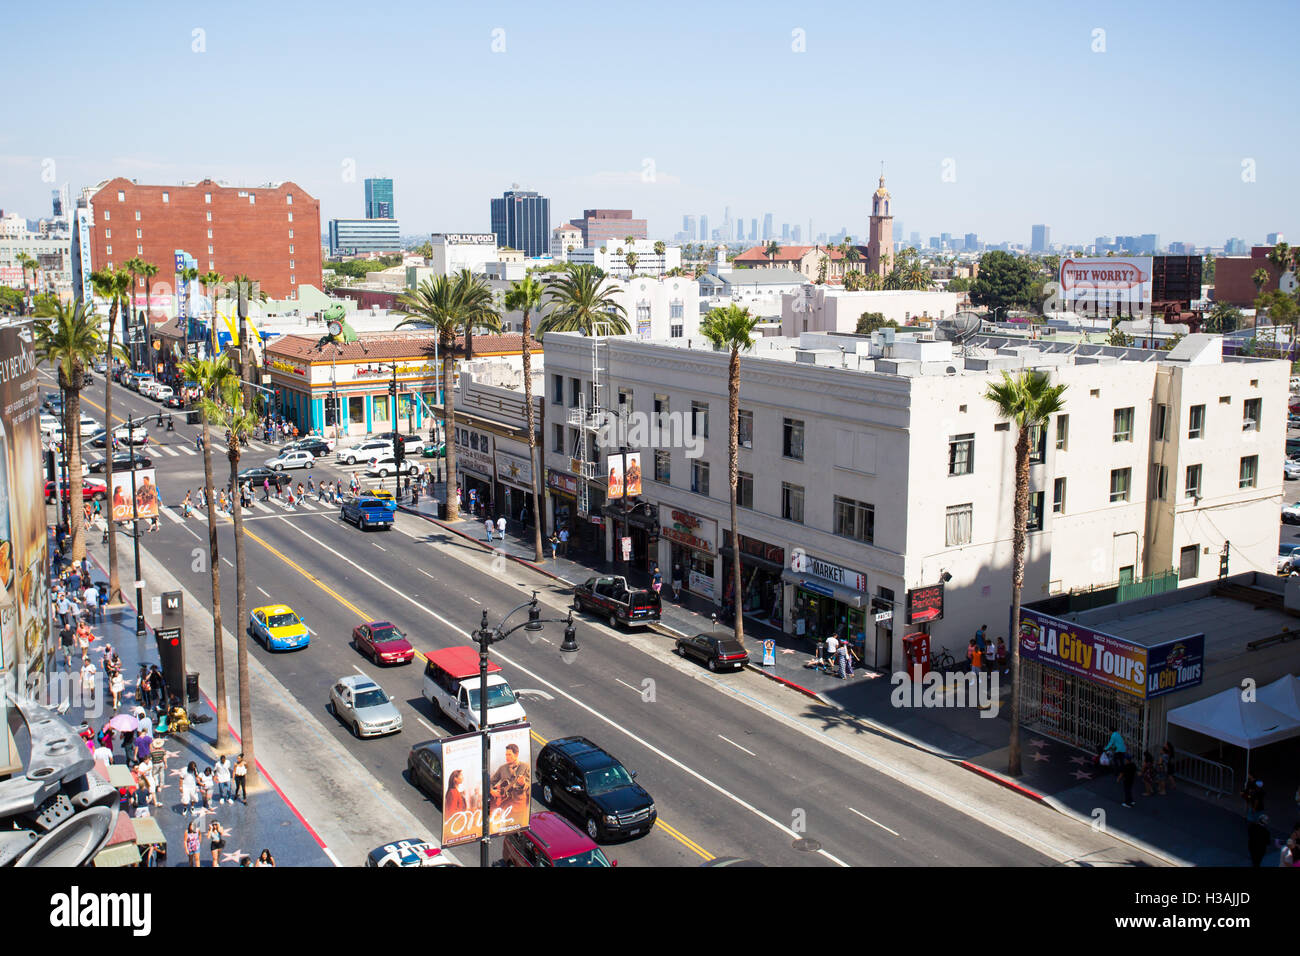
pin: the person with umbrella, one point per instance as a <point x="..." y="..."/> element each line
<point x="127" y="724"/>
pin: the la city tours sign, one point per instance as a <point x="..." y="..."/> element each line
<point x="1144" y="672"/>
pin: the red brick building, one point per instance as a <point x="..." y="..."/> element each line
<point x="269" y="233"/>
<point x="1233" y="282"/>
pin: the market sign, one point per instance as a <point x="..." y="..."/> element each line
<point x="925" y="604"/>
<point x="804" y="563"/>
<point x="1093" y="655"/>
<point x="688" y="529"/>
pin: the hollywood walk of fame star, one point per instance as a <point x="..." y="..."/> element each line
<point x="1081" y="775"/>
<point x="1038" y="742"/>
<point x="234" y="857"/>
<point x="1080" y="760"/>
<point x="1040" y="757"/>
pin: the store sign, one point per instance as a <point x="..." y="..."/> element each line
<point x="474" y="451"/>
<point x="1093" y="655"/>
<point x="289" y="368"/>
<point x="514" y="470"/>
<point x="925" y="604"/>
<point x="425" y="370"/>
<point x="1175" y="666"/>
<point x="804" y="563"/>
<point x="701" y="584"/>
<point x="559" y="481"/>
<point x="688" y="529"/>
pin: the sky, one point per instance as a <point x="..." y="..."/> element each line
<point x="1096" y="119"/>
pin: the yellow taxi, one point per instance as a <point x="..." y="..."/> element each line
<point x="278" y="628"/>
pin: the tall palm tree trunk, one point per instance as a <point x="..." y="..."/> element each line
<point x="1019" y="541"/>
<point x="214" y="560"/>
<point x="241" y="615"/>
<point x="449" y="427"/>
<point x="532" y="439"/>
<point x="733" y="477"/>
<point x="72" y="438"/>
<point x="114" y="582"/>
<point x="243" y="354"/>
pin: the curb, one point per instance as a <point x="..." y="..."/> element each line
<point x="1002" y="781"/>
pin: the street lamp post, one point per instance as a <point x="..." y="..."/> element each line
<point x="484" y="637"/>
<point x="135" y="523"/>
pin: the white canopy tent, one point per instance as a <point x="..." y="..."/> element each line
<point x="1283" y="695"/>
<point x="1226" y="717"/>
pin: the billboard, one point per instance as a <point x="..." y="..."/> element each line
<point x="510" y="782"/>
<point x="462" y="789"/>
<point x="1113" y="280"/>
<point x="511" y="777"/>
<point x="1092" y="655"/>
<point x="143" y="485"/>
<point x="24" y="576"/>
<point x="624" y="476"/>
<point x="1175" y="666"/>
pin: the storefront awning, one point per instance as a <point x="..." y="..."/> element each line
<point x="826" y="588"/>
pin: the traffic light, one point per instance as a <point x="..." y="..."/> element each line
<point x="331" y="409"/>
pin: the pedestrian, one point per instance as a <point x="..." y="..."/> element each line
<point x="491" y="528"/>
<point x="68" y="641"/>
<point x="501" y="527"/>
<point x="266" y="489"/>
<point x="84" y="637"/>
<point x="981" y="641"/>
<point x="1127" y="774"/>
<point x="975" y="655"/>
<point x="842" y="660"/>
<point x="206" y="786"/>
<point x="240" y="771"/>
<point x="415" y="494"/>
<point x="656" y="580"/>
<point x="192" y="843"/>
<point x="216" y="841"/>
<point x="189" y="787"/>
<point x="141" y="746"/>
<point x="1167" y="755"/>
<point x="221" y="774"/>
<point x="153" y="523"/>
<point x="265" y="859"/>
<point x="407" y="485"/>
<point x="554" y="541"/>
<point x="157" y="763"/>
<point x="1148" y="774"/>
<point x="1163" y="780"/>
<point x="677" y="582"/>
<point x="311" y="488"/>
<point x="116" y="686"/>
<point x="89" y="681"/>
<point x="1116" y="748"/>
<point x="1000" y="656"/>
<point x="564" y="541"/>
<point x="64" y="607"/>
<point x="831" y="647"/>
<point x="198" y="442"/>
<point x="157" y="688"/>
<point x="292" y="501"/>
<point x="300" y="491"/>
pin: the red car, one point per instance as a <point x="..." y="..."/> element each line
<point x="382" y="643"/>
<point x="551" y="840"/>
<point x="90" y="489"/>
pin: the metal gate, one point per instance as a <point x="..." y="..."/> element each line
<point x="1079" y="712"/>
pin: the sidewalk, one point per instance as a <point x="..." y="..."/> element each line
<point x="267" y="821"/>
<point x="1181" y="827"/>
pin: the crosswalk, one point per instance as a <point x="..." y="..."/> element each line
<point x="178" y="451"/>
<point x="272" y="506"/>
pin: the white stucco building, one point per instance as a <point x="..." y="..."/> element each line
<point x="820" y="308"/>
<point x="868" y="470"/>
<point x="611" y="257"/>
<point x="453" y="251"/>
<point x="663" y="308"/>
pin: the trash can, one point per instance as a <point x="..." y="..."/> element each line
<point x="442" y="510"/>
<point x="192" y="687"/>
<point x="192" y="417"/>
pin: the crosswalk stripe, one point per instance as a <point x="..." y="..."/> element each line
<point x="168" y="449"/>
<point x="171" y="514"/>
<point x="186" y="449"/>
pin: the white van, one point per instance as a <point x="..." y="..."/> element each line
<point x="451" y="684"/>
<point x="149" y="388"/>
<point x="161" y="392"/>
<point x="88" y="426"/>
<point x="371" y="448"/>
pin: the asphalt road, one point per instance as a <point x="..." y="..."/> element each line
<point x="727" y="780"/>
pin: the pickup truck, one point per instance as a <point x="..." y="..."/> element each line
<point x="611" y="597"/>
<point x="451" y="684"/>
<point x="366" y="511"/>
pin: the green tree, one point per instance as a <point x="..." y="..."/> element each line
<point x="231" y="410"/>
<point x="478" y="307"/>
<point x="1119" y="339"/>
<point x="1280" y="257"/>
<point x="631" y="259"/>
<point x="821" y="268"/>
<point x="115" y="286"/>
<point x="580" y="302"/>
<point x="731" y="328"/>
<point x="1171" y="343"/>
<point x="854" y="281"/>
<point x="659" y="248"/>
<point x="958" y="285"/>
<point x="868" y="322"/>
<point x="1223" y="318"/>
<point x="772" y="250"/>
<point x="69" y="342"/>
<point x="1207" y="270"/>
<point x="1029" y="400"/>
<point x="1280" y="308"/>
<point x="526" y="296"/>
<point x="1005" y="281"/>
<point x="1260" y="278"/>
<point x="213" y="376"/>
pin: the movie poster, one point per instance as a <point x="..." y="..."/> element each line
<point x="141" y="484"/>
<point x="510" y="766"/>
<point x="462" y="789"/>
<point x="614" y="489"/>
<point x="632" y="475"/>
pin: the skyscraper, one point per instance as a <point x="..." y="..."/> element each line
<point x="379" y="199"/>
<point x="972" y="243"/>
<point x="796" y="233"/>
<point x="521" y="220"/>
<point x="753" y="230"/>
<point x="1040" y="238"/>
<point x="688" y="225"/>
<point x="705" y="235"/>
<point x="785" y="232"/>
<point x="740" y="229"/>
<point x="767" y="225"/>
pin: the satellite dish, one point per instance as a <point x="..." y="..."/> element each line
<point x="959" y="328"/>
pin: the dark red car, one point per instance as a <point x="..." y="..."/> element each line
<point x="551" y="840"/>
<point x="383" y="643"/>
<point x="90" y="489"/>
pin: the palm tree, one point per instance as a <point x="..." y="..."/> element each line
<point x="135" y="266"/>
<point x="581" y="301"/>
<point x="732" y="328"/>
<point x="114" y="285"/>
<point x="772" y="250"/>
<point x="212" y="281"/>
<point x="917" y="276"/>
<point x="478" y="307"/>
<point x="1260" y="278"/>
<point x="243" y="289"/>
<point x="659" y="248"/>
<point x="631" y="259"/>
<point x="1030" y="400"/>
<point x="854" y="280"/>
<point x="873" y="281"/>
<point x="188" y="276"/>
<point x="436" y="303"/>
<point x="1280" y="257"/>
<point x="231" y="411"/>
<point x="27" y="262"/>
<point x="526" y="296"/>
<point x="148" y="270"/>
<point x="212" y="376"/>
<point x="69" y="341"/>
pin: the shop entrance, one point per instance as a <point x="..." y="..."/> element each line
<point x="821" y="616"/>
<point x="696" y="571"/>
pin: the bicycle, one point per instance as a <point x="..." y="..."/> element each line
<point x="943" y="661"/>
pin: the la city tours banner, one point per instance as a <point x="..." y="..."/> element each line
<point x="141" y="485"/>
<point x="1096" y="656"/>
<point x="511" y="777"/>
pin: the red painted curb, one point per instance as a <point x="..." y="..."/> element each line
<point x="788" y="683"/>
<point x="1003" y="781"/>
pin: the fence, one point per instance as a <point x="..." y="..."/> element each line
<point x="1213" y="776"/>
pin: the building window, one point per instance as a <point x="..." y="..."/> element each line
<point x="108" y="233"/>
<point x="699" y="420"/>
<point x="961" y="454"/>
<point x="207" y="197"/>
<point x="1161" y="423"/>
<point x="744" y="428"/>
<point x="1249" y="472"/>
<point x="855" y="519"/>
<point x="289" y="199"/>
<point x="1123" y="424"/>
<point x="557" y="389"/>
<point x="1189" y="562"/>
<point x="209" y="250"/>
<point x="1196" y="421"/>
<point x="209" y="215"/>
<point x="139" y="250"/>
<point x="1193" y="483"/>
<point x="290" y="233"/>
<point x="210" y="265"/>
<point x="1159" y="482"/>
<point x="166" y="197"/>
<point x="575" y="392"/>
<point x="663" y="466"/>
<point x="625" y="400"/>
<point x="557" y="439"/>
<point x="792" y="439"/>
<point x="661" y="409"/>
<point x="700" y="477"/>
<point x="139" y="233"/>
<point x="642" y="313"/>
<point x="121" y="196"/>
<point x="958" y="525"/>
<point x="290" y="263"/>
<point x="1120" y="479"/>
<point x="291" y="217"/>
<point x="290" y="250"/>
<point x="137" y="215"/>
<point x="744" y="490"/>
<point x="1037" y="444"/>
<point x="1035" y="519"/>
<point x="108" y="215"/>
<point x="792" y="502"/>
<point x="675" y="330"/>
<point x="675" y="310"/>
<point x="1250" y="415"/>
<point x="1058" y="496"/>
<point x="209" y="233"/>
<point x="108" y="250"/>
<point x="293" y="280"/>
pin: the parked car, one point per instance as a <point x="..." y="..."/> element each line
<point x="432" y="449"/>
<point x="176" y="401"/>
<point x="409" y="852"/>
<point x="278" y="628"/>
<point x="1290" y="470"/>
<point x="384" y="465"/>
<point x="1288" y="558"/>
<point x="610" y="597"/>
<point x="123" y="461"/>
<point x="363" y="452"/>
<point x="319" y="447"/>
<point x="719" y="651"/>
<point x="362" y="705"/>
<point x="591" y="787"/>
<point x="53" y="403"/>
<point x="1291" y="513"/>
<point x="367" y="511"/>
<point x="88" y="426"/>
<point x="451" y="684"/>
<point x="161" y="393"/>
<point x="383" y="643"/>
<point x="90" y="490"/>
<point x="291" y="459"/>
<point x="138" y="435"/>
<point x="411" y="442"/>
<point x="551" y="840"/>
<point x="424" y="768"/>
<point x="258" y="476"/>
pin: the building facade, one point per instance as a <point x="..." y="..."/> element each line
<point x="611" y="257"/>
<point x="564" y="239"/>
<point x="521" y="219"/>
<point x="379" y="199"/>
<point x="269" y="233"/>
<point x="354" y="236"/>
<point x="817" y="308"/>
<point x="453" y="251"/>
<point x="601" y="226"/>
<point x="873" y="472"/>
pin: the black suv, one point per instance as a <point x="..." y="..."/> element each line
<point x="319" y="447"/>
<point x="594" y="789"/>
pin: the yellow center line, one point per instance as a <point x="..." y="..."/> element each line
<point x="94" y="404"/>
<point x="659" y="822"/>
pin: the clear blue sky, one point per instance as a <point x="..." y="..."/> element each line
<point x="1033" y="126"/>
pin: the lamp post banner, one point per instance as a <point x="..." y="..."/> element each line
<point x="510" y="764"/>
<point x="462" y="783"/>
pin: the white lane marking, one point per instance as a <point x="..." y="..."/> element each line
<point x="738" y="747"/>
<point x="191" y="531"/>
<point x="628" y="686"/>
<point x="427" y="727"/>
<point x="382" y="548"/>
<point x="876" y="822"/>
<point x="171" y="514"/>
<point x="573" y="700"/>
<point x="263" y="592"/>
<point x="330" y="853"/>
<point x="475" y="600"/>
<point x="359" y="671"/>
<point x="167" y="450"/>
<point x="187" y="450"/>
<point x="426" y="573"/>
<point x="227" y="560"/>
